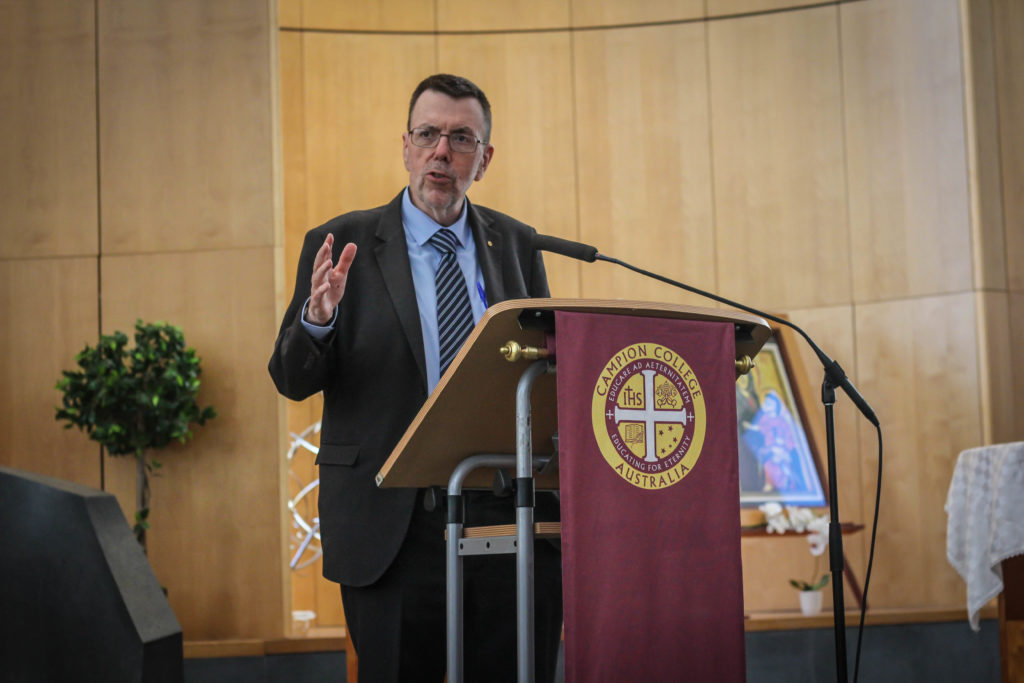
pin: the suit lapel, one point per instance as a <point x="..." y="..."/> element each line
<point x="489" y="247"/>
<point x="393" y="258"/>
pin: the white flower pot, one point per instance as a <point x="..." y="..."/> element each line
<point x="810" y="602"/>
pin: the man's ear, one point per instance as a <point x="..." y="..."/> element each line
<point x="405" y="150"/>
<point x="484" y="163"/>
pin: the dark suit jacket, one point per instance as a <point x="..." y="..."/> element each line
<point x="372" y="372"/>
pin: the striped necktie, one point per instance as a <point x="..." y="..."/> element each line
<point x="454" y="313"/>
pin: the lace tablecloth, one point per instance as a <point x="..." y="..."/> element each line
<point x="985" y="506"/>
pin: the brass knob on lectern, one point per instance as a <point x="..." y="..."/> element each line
<point x="513" y="352"/>
<point x="744" y="365"/>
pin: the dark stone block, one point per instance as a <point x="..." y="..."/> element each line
<point x="78" y="598"/>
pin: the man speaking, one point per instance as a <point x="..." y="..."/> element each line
<point x="383" y="301"/>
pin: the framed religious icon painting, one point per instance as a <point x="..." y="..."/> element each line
<point x="778" y="462"/>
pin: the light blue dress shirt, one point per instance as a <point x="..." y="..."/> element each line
<point x="424" y="261"/>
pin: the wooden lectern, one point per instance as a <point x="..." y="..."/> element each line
<point x="467" y="429"/>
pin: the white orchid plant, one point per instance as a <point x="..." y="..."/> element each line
<point x="779" y="520"/>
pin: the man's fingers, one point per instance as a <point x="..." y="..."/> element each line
<point x="328" y="281"/>
<point x="320" y="272"/>
<point x="318" y="292"/>
<point x="348" y="254"/>
<point x="327" y="247"/>
<point x="324" y="252"/>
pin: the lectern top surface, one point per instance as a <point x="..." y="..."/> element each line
<point x="472" y="409"/>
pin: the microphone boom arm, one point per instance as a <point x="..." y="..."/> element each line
<point x="833" y="371"/>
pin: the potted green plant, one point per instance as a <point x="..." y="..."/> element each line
<point x="810" y="591"/>
<point x="135" y="400"/>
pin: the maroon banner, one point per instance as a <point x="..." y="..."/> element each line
<point x="651" y="570"/>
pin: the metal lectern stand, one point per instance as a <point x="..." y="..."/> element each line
<point x="521" y="544"/>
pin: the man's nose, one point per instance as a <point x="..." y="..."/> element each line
<point x="443" y="149"/>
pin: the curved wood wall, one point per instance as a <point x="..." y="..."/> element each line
<point x="139" y="181"/>
<point x="815" y="160"/>
<point x="852" y="164"/>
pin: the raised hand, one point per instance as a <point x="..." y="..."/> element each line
<point x="328" y="282"/>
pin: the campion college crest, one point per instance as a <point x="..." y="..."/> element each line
<point x="648" y="415"/>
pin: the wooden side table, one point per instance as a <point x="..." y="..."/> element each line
<point x="1011" y="619"/>
<point x="985" y="533"/>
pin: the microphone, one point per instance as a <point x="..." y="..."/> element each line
<point x="556" y="245"/>
<point x="585" y="252"/>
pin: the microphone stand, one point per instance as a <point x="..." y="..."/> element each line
<point x="834" y="378"/>
<point x="835" y="532"/>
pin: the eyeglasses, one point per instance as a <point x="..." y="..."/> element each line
<point x="429" y="137"/>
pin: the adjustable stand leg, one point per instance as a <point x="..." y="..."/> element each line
<point x="835" y="533"/>
<point x="524" y="522"/>
<point x="453" y="558"/>
<point x="524" y="591"/>
<point x="524" y="537"/>
<point x="453" y="581"/>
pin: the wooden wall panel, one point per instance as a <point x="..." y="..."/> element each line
<point x="1016" y="365"/>
<point x="186" y="136"/>
<point x="216" y="540"/>
<point x="307" y="584"/>
<point x="918" y="360"/>
<point x="511" y="15"/>
<point x="780" y="202"/>
<point x="724" y="8"/>
<point x="369" y="15"/>
<point x="304" y="580"/>
<point x="769" y="563"/>
<point x="833" y="330"/>
<point x="48" y="129"/>
<point x="294" y="159"/>
<point x="812" y="160"/>
<point x="1008" y="21"/>
<point x="289" y="13"/>
<point x="615" y="12"/>
<point x="909" y="203"/>
<point x="998" y="405"/>
<point x="310" y="590"/>
<point x="643" y="158"/>
<point x="528" y="81"/>
<point x="49" y="309"/>
<point x="988" y="241"/>
<point x="357" y="90"/>
<point x="342" y="151"/>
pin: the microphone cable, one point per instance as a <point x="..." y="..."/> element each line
<point x="589" y="254"/>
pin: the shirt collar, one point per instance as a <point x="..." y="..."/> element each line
<point x="421" y="227"/>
